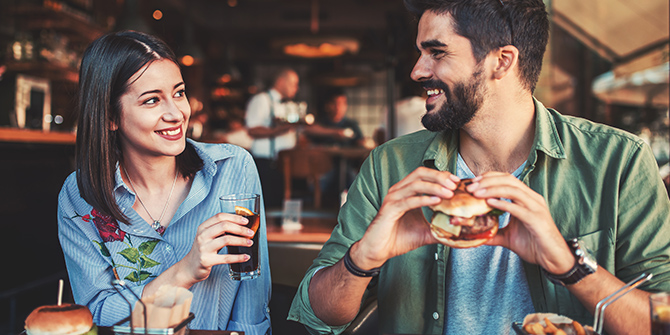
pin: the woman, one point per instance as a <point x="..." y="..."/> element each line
<point x="143" y="203"/>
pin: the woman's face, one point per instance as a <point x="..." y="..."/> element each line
<point x="154" y="112"/>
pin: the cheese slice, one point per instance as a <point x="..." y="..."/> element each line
<point x="442" y="220"/>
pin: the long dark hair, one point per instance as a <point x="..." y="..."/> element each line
<point x="491" y="24"/>
<point x="106" y="68"/>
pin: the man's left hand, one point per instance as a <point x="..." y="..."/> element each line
<point x="531" y="232"/>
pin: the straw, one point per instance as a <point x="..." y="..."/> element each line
<point x="60" y="292"/>
<point x="600" y="307"/>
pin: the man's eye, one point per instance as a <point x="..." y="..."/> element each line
<point x="437" y="53"/>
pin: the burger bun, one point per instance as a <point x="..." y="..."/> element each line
<point x="64" y="319"/>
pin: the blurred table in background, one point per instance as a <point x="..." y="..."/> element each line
<point x="344" y="156"/>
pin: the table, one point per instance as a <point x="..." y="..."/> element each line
<point x="344" y="155"/>
<point x="314" y="230"/>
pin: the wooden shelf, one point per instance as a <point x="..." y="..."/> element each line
<point x="46" y="70"/>
<point x="77" y="26"/>
<point x="15" y="135"/>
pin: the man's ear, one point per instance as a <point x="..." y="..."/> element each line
<point x="507" y="58"/>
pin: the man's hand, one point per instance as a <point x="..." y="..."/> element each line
<point x="531" y="232"/>
<point x="399" y="226"/>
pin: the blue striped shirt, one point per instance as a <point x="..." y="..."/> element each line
<point x="95" y="247"/>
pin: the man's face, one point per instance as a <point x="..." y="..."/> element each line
<point x="287" y="85"/>
<point x="337" y="108"/>
<point x="449" y="72"/>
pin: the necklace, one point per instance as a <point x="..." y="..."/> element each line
<point x="156" y="224"/>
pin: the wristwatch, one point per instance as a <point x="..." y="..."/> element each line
<point x="585" y="264"/>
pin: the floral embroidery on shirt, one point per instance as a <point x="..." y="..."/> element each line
<point x="137" y="257"/>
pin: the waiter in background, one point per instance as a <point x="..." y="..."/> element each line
<point x="271" y="135"/>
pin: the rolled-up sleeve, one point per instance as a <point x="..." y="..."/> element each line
<point x="643" y="245"/>
<point x="89" y="272"/>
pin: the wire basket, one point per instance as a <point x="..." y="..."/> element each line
<point x="125" y="326"/>
<point x="599" y="315"/>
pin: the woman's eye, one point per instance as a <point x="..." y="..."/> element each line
<point x="180" y="94"/>
<point x="151" y="101"/>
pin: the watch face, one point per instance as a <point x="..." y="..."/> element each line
<point x="585" y="256"/>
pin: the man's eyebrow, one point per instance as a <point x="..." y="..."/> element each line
<point x="432" y="44"/>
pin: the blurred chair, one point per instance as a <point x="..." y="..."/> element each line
<point x="304" y="163"/>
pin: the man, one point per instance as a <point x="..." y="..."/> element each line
<point x="564" y="177"/>
<point x="271" y="135"/>
<point x="333" y="127"/>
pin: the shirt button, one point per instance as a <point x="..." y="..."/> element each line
<point x="436" y="256"/>
<point x="436" y="315"/>
<point x="267" y="309"/>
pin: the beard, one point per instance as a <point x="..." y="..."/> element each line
<point x="460" y="106"/>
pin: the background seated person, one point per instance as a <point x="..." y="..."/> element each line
<point x="332" y="126"/>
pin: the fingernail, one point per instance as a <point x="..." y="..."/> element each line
<point x="434" y="198"/>
<point x="246" y="257"/>
<point x="480" y="191"/>
<point x="250" y="242"/>
<point x="250" y="232"/>
<point x="454" y="178"/>
<point x="478" y="178"/>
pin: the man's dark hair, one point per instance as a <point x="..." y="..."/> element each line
<point x="491" y="24"/>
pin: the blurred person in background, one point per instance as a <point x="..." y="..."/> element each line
<point x="143" y="204"/>
<point x="332" y="127"/>
<point x="265" y="120"/>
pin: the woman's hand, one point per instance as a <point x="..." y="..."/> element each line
<point x="217" y="232"/>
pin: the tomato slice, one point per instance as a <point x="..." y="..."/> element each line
<point x="485" y="235"/>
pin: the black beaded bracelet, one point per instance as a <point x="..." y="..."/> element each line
<point x="355" y="270"/>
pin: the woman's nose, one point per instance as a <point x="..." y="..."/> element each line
<point x="177" y="110"/>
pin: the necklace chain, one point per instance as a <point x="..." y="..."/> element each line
<point x="156" y="224"/>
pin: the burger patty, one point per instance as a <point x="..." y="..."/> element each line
<point x="479" y="225"/>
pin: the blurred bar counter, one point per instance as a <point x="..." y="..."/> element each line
<point x="16" y="135"/>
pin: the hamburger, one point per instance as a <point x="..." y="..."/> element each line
<point x="65" y="319"/>
<point x="464" y="221"/>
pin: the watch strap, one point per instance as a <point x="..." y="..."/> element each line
<point x="578" y="272"/>
<point x="355" y="270"/>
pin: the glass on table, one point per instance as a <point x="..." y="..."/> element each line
<point x="660" y="313"/>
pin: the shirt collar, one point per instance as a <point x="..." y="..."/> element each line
<point x="275" y="95"/>
<point x="209" y="153"/>
<point x="442" y="152"/>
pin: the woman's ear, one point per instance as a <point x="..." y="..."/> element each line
<point x="507" y="60"/>
<point x="113" y="126"/>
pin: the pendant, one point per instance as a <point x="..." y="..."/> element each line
<point x="156" y="225"/>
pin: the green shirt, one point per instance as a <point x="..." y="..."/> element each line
<point x="601" y="184"/>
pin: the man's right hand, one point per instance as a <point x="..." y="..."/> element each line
<point x="399" y="226"/>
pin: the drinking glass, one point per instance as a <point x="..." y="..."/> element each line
<point x="247" y="205"/>
<point x="660" y="313"/>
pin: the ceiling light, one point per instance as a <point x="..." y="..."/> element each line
<point x="317" y="46"/>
